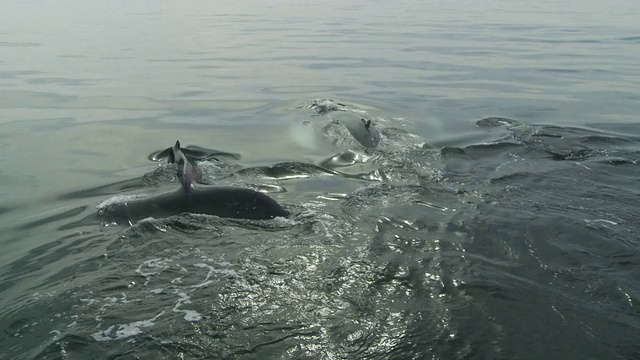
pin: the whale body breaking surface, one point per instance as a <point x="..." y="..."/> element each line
<point x="222" y="201"/>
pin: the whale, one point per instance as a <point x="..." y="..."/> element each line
<point x="188" y="172"/>
<point x="191" y="197"/>
<point x="222" y="201"/>
<point x="361" y="129"/>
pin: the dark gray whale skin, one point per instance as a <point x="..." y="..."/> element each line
<point x="229" y="202"/>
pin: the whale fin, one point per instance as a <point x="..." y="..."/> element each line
<point x="187" y="175"/>
<point x="176" y="154"/>
<point x="186" y="170"/>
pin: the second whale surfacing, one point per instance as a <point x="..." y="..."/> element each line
<point x="222" y="201"/>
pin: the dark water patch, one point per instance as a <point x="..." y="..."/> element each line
<point x="17" y="74"/>
<point x="577" y="155"/>
<point x="311" y="89"/>
<point x="620" y="161"/>
<point x="284" y="171"/>
<point x="54" y="124"/>
<point x="578" y="190"/>
<point x="553" y="41"/>
<point x="63" y="81"/>
<point x="404" y="84"/>
<point x="535" y="240"/>
<point x="117" y="58"/>
<point x="31" y="99"/>
<point x="208" y="67"/>
<point x="369" y="199"/>
<point x="630" y="38"/>
<point x="566" y="143"/>
<point x="561" y="71"/>
<point x="53" y="218"/>
<point x="90" y="222"/>
<point x="486" y="150"/>
<point x="470" y="164"/>
<point x="37" y="275"/>
<point x="73" y="56"/>
<point x="5" y="209"/>
<point x="603" y="140"/>
<point x="198" y="224"/>
<point x="628" y="130"/>
<point x="144" y="13"/>
<point x="109" y="189"/>
<point x="193" y="93"/>
<point x="495" y="121"/>
<point x="19" y="44"/>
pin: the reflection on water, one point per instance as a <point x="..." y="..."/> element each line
<point x="487" y="211"/>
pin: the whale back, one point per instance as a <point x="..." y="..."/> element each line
<point x="227" y="202"/>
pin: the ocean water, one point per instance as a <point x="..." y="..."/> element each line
<point x="488" y="212"/>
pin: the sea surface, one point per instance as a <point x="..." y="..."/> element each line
<point x="489" y="210"/>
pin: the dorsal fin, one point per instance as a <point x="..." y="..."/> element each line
<point x="176" y="154"/>
<point x="186" y="172"/>
<point x="173" y="153"/>
<point x="187" y="175"/>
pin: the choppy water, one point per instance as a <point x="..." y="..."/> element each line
<point x="493" y="214"/>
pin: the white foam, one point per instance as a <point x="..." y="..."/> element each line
<point x="601" y="220"/>
<point x="206" y="281"/>
<point x="153" y="221"/>
<point x="304" y="136"/>
<point x="123" y="331"/>
<point x="283" y="221"/>
<point x="75" y="322"/>
<point x="119" y="199"/>
<point x="158" y="263"/>
<point x="189" y="315"/>
<point x="88" y="301"/>
<point x="124" y="299"/>
<point x="210" y="171"/>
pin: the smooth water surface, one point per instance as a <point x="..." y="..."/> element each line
<point x="491" y="211"/>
